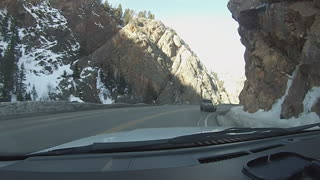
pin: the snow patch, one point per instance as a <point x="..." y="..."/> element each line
<point x="311" y="98"/>
<point x="94" y="13"/>
<point x="99" y="25"/>
<point x="45" y="15"/>
<point x="43" y="83"/>
<point x="75" y="99"/>
<point x="103" y="92"/>
<point x="237" y="117"/>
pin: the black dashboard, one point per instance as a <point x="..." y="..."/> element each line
<point x="221" y="162"/>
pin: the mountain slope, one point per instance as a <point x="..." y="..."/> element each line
<point x="150" y="55"/>
<point x="75" y="50"/>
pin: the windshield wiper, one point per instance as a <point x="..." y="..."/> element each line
<point x="202" y="139"/>
<point x="231" y="135"/>
<point x="303" y="128"/>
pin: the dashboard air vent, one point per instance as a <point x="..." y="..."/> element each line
<point x="222" y="157"/>
<point x="260" y="149"/>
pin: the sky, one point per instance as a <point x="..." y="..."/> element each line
<point x="205" y="25"/>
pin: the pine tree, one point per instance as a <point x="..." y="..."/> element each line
<point x="142" y="14"/>
<point x="76" y="72"/>
<point x="150" y="15"/>
<point x="122" y="86"/>
<point x="8" y="66"/>
<point x="34" y="93"/>
<point x="107" y="6"/>
<point x="110" y="82"/>
<point x="8" y="72"/>
<point x="4" y="27"/>
<point x="1" y="77"/>
<point x="118" y="12"/>
<point x="128" y="16"/>
<point x="28" y="97"/>
<point x="150" y="95"/>
<point x="20" y="86"/>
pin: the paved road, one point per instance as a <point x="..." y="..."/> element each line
<point x="32" y="134"/>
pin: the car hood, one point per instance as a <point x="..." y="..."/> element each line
<point x="137" y="135"/>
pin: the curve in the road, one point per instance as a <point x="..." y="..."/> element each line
<point x="136" y="122"/>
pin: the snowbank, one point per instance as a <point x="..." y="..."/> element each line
<point x="237" y="117"/>
<point x="75" y="99"/>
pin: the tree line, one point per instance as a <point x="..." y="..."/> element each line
<point x="126" y="16"/>
<point x="12" y="76"/>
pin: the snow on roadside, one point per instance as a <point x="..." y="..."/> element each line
<point x="75" y="99"/>
<point x="237" y="117"/>
<point x="311" y="98"/>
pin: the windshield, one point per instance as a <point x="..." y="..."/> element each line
<point x="87" y="71"/>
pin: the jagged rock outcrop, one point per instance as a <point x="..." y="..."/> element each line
<point x="149" y="54"/>
<point x="282" y="40"/>
<point x="74" y="50"/>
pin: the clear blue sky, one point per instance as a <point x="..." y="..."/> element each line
<point x="168" y="8"/>
<point x="206" y="25"/>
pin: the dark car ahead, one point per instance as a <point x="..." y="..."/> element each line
<point x="206" y="105"/>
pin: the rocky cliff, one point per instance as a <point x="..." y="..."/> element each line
<point x="156" y="62"/>
<point x="282" y="40"/>
<point x="74" y="50"/>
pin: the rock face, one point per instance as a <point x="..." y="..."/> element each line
<point x="150" y="55"/>
<point x="89" y="22"/>
<point x="282" y="40"/>
<point x="75" y="50"/>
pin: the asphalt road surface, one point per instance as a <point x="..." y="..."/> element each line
<point x="31" y="134"/>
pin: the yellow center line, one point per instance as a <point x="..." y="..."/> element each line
<point x="135" y="122"/>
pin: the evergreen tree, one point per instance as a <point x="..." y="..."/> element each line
<point x="1" y="77"/>
<point x="4" y="27"/>
<point x="21" y="97"/>
<point x="28" y="97"/>
<point x="8" y="72"/>
<point x="106" y="5"/>
<point x="65" y="74"/>
<point x="34" y="93"/>
<point x="52" y="95"/>
<point x="150" y="95"/>
<point x="142" y="14"/>
<point x="8" y="66"/>
<point x="110" y="82"/>
<point x="20" y="86"/>
<point x="118" y="12"/>
<point x="128" y="16"/>
<point x="76" y="72"/>
<point x="122" y="86"/>
<point x="150" y="15"/>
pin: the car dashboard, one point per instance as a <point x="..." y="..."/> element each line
<point x="226" y="161"/>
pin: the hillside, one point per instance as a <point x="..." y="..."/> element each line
<point x="76" y="51"/>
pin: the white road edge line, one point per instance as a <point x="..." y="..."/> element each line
<point x="206" y="120"/>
